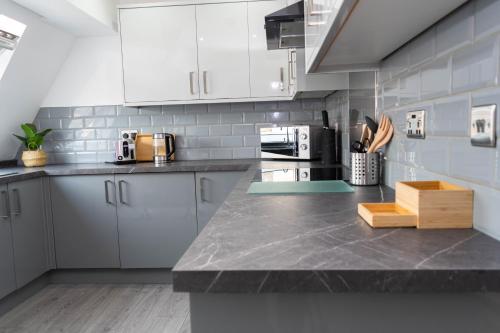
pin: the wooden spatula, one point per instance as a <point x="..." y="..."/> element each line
<point x="381" y="133"/>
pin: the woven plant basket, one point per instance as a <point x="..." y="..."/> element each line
<point x="34" y="158"/>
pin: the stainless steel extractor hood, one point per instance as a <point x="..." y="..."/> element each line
<point x="285" y="28"/>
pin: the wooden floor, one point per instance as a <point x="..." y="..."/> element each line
<point x="101" y="308"/>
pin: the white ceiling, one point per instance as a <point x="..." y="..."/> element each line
<point x="78" y="17"/>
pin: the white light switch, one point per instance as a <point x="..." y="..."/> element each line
<point x="482" y="127"/>
<point x="415" y="124"/>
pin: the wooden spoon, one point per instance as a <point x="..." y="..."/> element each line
<point x="381" y="132"/>
<point x="386" y="138"/>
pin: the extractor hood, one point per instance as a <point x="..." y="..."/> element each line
<point x="285" y="28"/>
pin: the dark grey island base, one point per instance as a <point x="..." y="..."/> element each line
<point x="308" y="263"/>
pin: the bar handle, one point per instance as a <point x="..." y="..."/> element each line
<point x="191" y="83"/>
<point x="205" y="88"/>
<point x="106" y="191"/>
<point x="5" y="199"/>
<point x="282" y="79"/>
<point x="120" y="191"/>
<point x="203" y="192"/>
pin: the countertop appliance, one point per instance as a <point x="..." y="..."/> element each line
<point x="125" y="148"/>
<point x="285" y="28"/>
<point x="302" y="142"/>
<point x="163" y="147"/>
<point x="299" y="174"/>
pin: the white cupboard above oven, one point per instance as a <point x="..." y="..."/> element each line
<point x="208" y="53"/>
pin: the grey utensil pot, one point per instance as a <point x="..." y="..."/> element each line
<point x="365" y="168"/>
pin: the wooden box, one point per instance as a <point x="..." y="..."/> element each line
<point x="386" y="215"/>
<point x="437" y="204"/>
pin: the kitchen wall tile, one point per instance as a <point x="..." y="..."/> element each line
<point x="231" y="118"/>
<point x="197" y="130"/>
<point x="170" y="109"/>
<point x="423" y="48"/>
<point x="95" y="122"/>
<point x="86" y="157"/>
<point x="397" y="63"/>
<point x="243" y="129"/>
<point x="43" y="113"/>
<point x="277" y="116"/>
<point x="475" y="67"/>
<point x="209" y="142"/>
<point x="106" y="110"/>
<point x="219" y="108"/>
<point x="232" y="141"/>
<point x="121" y="121"/>
<point x="49" y="123"/>
<point x="96" y="145"/>
<point x="449" y="117"/>
<point x="60" y="112"/>
<point x="242" y="107"/>
<point x="177" y="130"/>
<point x="72" y="123"/>
<point x="187" y="142"/>
<point x="162" y="120"/>
<point x="105" y="156"/>
<point x="184" y="119"/>
<point x="254" y="117"/>
<point x="127" y="111"/>
<point x="251" y="140"/>
<point x="391" y="93"/>
<point x="83" y="111"/>
<point x="434" y="154"/>
<point x="455" y="30"/>
<point x="221" y="153"/>
<point x="208" y="118"/>
<point x="409" y="151"/>
<point x="471" y="163"/>
<point x="435" y="79"/>
<point x="302" y="116"/>
<point x="196" y="108"/>
<point x="148" y="130"/>
<point x="487" y="14"/>
<point x="85" y="134"/>
<point x="409" y="88"/>
<point x="243" y="153"/>
<point x="195" y="154"/>
<point x="290" y="106"/>
<point x="150" y="110"/>
<point x="266" y="106"/>
<point x="107" y="133"/>
<point x="61" y="135"/>
<point x="217" y="130"/>
<point x="313" y="104"/>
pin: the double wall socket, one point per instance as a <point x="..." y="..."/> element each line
<point x="482" y="127"/>
<point x="415" y="124"/>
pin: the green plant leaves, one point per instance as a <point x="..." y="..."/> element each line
<point x="33" y="139"/>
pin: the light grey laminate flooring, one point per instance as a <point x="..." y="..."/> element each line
<point x="101" y="308"/>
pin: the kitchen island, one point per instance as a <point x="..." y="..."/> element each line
<point x="308" y="263"/>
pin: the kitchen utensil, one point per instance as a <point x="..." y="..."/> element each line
<point x="361" y="147"/>
<point x="372" y="124"/>
<point x="329" y="148"/>
<point x="386" y="138"/>
<point x="365" y="168"/>
<point x="163" y="147"/>
<point x="324" y="117"/>
<point x="382" y="132"/>
<point x="144" y="147"/>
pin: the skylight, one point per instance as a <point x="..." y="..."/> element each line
<point x="11" y="32"/>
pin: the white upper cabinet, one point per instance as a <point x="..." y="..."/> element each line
<point x="355" y="35"/>
<point x="159" y="54"/>
<point x="223" y="50"/>
<point x="269" y="70"/>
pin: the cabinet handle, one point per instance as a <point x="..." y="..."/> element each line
<point x="293" y="60"/>
<point x="191" y="83"/>
<point x="203" y="193"/>
<point x="205" y="89"/>
<point x="5" y="199"/>
<point x="17" y="202"/>
<point x="282" y="79"/>
<point x="106" y="191"/>
<point x="120" y="190"/>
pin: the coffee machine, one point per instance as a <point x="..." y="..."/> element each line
<point x="125" y="147"/>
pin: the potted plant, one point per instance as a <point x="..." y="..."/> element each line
<point x="33" y="156"/>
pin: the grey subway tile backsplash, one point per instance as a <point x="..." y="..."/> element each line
<point x="215" y="131"/>
<point x="486" y="19"/>
<point x="449" y="117"/>
<point x="435" y="79"/>
<point x="455" y="30"/>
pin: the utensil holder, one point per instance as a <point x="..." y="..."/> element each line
<point x="365" y="168"/>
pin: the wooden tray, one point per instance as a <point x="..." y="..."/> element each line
<point x="144" y="148"/>
<point x="386" y="215"/>
<point x="437" y="204"/>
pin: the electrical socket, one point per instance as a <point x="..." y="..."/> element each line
<point x="415" y="124"/>
<point x="482" y="125"/>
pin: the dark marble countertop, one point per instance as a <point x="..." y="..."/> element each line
<point x="21" y="173"/>
<point x="318" y="243"/>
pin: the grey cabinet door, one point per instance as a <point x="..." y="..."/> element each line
<point x="7" y="276"/>
<point x="29" y="235"/>
<point x="156" y="218"/>
<point x="85" y="221"/>
<point x="212" y="188"/>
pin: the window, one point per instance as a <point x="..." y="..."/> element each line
<point x="11" y="32"/>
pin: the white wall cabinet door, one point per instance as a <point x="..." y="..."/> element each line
<point x="223" y="50"/>
<point x="159" y="54"/>
<point x="269" y="70"/>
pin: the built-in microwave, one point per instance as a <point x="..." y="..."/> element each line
<point x="291" y="142"/>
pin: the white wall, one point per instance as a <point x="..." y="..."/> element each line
<point x="30" y="73"/>
<point x="91" y="75"/>
<point x="102" y="10"/>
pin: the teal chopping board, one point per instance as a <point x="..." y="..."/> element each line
<point x="319" y="186"/>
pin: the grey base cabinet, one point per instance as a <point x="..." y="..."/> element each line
<point x="156" y="218"/>
<point x="7" y="275"/>
<point x="212" y="188"/>
<point x="85" y="221"/>
<point x="28" y="230"/>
